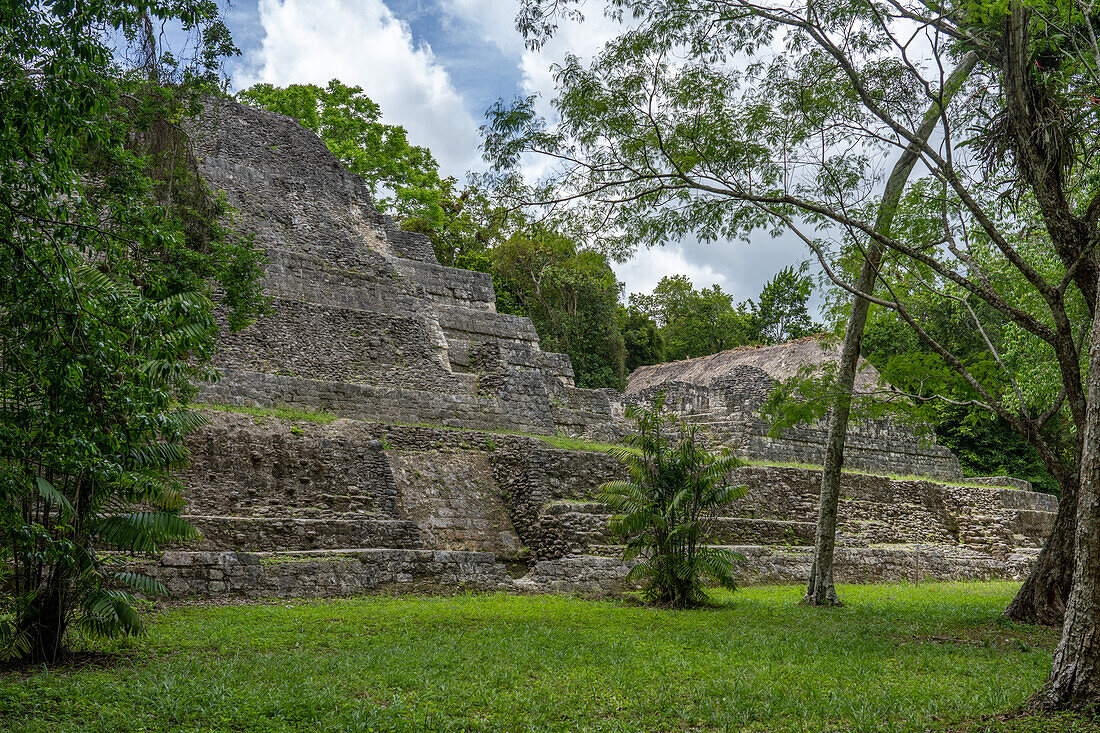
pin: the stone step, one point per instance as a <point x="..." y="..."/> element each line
<point x="381" y="403"/>
<point x="368" y="285"/>
<point x="590" y="529"/>
<point x="874" y="564"/>
<point x="265" y="534"/>
<point x="450" y="286"/>
<point x="324" y="573"/>
<point x="474" y="324"/>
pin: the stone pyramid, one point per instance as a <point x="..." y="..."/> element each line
<point x="409" y="489"/>
<point x="366" y="323"/>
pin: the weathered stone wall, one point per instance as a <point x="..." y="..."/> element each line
<point x="326" y="574"/>
<point x="299" y="508"/>
<point x="365" y="322"/>
<point x="271" y="534"/>
<point x="336" y="344"/>
<point x="247" y="467"/>
<point x="727" y="410"/>
<point x="780" y="508"/>
<point x="454" y="499"/>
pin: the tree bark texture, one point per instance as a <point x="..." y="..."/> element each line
<point x="820" y="590"/>
<point x="45" y="624"/>
<point x="1074" y="682"/>
<point x="1042" y="597"/>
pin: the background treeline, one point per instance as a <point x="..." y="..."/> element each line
<point x="539" y="269"/>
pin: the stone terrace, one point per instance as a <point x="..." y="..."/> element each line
<point x="367" y="325"/>
<point x="301" y="508"/>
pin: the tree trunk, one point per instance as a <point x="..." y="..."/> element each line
<point x="44" y="625"/>
<point x="820" y="590"/>
<point x="1074" y="682"/>
<point x="1042" y="597"/>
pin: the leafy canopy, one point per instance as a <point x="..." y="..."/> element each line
<point x="110" y="250"/>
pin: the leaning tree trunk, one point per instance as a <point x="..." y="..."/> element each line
<point x="1042" y="597"/>
<point x="820" y="590"/>
<point x="1074" y="682"/>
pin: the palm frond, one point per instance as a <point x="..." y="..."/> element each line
<point x="141" y="583"/>
<point x="50" y="493"/>
<point x="143" y="532"/>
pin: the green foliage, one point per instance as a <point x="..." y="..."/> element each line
<point x="700" y="322"/>
<point x="895" y="659"/>
<point x="642" y="340"/>
<point x="571" y="294"/>
<point x="109" y="253"/>
<point x="664" y="512"/>
<point x="782" y="312"/>
<point x="694" y="322"/>
<point x="985" y="444"/>
<point x="674" y="137"/>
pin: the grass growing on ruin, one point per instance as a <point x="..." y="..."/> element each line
<point x="283" y="413"/>
<point x="567" y="443"/>
<point x="896" y="658"/>
<point x="895" y="476"/>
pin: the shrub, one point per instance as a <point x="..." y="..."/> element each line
<point x="665" y="511"/>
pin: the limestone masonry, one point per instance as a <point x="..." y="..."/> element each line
<point x="411" y="490"/>
<point x="723" y="394"/>
<point x="366" y="323"/>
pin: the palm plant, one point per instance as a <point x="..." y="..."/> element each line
<point x="89" y="429"/>
<point x="665" y="511"/>
<point x="112" y="251"/>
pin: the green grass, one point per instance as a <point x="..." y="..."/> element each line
<point x="894" y="476"/>
<point x="896" y="658"/>
<point x="322" y="417"/>
<point x="567" y="443"/>
<point x="292" y="414"/>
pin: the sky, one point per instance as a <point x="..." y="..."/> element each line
<point x="434" y="67"/>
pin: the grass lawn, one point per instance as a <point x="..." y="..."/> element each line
<point x="896" y="658"/>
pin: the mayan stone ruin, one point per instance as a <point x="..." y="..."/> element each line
<point x="723" y="394"/>
<point x="436" y="476"/>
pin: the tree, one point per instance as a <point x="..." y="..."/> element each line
<point x="694" y="322"/>
<point x="665" y="511"/>
<point x="985" y="444"/>
<point x="641" y="339"/>
<point x="661" y="136"/>
<point x="109" y="249"/>
<point x="571" y="294"/>
<point x="782" y="313"/>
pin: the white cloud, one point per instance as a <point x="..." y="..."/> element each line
<point x="495" y="19"/>
<point x="740" y="268"/>
<point x="644" y="270"/>
<point x="362" y="43"/>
